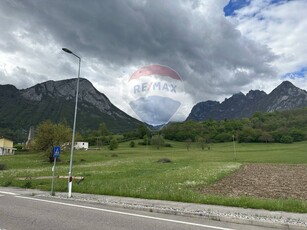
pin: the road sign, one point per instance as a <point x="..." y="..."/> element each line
<point x="56" y="151"/>
<point x="56" y="154"/>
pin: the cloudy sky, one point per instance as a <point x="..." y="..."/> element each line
<point x="217" y="47"/>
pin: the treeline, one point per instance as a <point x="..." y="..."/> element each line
<point x="283" y="127"/>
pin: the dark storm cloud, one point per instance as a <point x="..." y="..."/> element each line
<point x="192" y="37"/>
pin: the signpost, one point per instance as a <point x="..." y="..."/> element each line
<point x="234" y="147"/>
<point x="56" y="154"/>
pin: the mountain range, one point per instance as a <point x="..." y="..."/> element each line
<point x="55" y="100"/>
<point x="286" y="96"/>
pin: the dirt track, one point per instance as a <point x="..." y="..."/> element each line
<point x="264" y="181"/>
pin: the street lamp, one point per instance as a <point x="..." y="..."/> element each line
<point x="74" y="126"/>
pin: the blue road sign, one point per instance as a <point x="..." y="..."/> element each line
<point x="56" y="151"/>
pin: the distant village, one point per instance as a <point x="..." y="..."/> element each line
<point x="7" y="145"/>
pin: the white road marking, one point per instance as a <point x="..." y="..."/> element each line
<point x="126" y="213"/>
<point x="9" y="193"/>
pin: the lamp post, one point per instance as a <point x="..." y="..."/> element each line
<point x="74" y="125"/>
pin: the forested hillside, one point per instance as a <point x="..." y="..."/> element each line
<point x="55" y="101"/>
<point x="283" y="127"/>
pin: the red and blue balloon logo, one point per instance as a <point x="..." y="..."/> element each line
<point x="155" y="91"/>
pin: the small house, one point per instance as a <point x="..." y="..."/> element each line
<point x="6" y="146"/>
<point x="81" y="145"/>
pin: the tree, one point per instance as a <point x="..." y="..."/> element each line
<point x="146" y="140"/>
<point x="113" y="144"/>
<point x="49" y="134"/>
<point x="297" y="135"/>
<point x="202" y="140"/>
<point x="132" y="144"/>
<point x="142" y="131"/>
<point x="103" y="130"/>
<point x="286" y="139"/>
<point x="265" y="137"/>
<point x="223" y="137"/>
<point x="157" y="140"/>
<point x="248" y="135"/>
<point x="188" y="143"/>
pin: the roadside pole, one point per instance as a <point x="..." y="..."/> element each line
<point x="52" y="184"/>
<point x="56" y="154"/>
<point x="234" y="147"/>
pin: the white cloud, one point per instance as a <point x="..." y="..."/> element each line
<point x="282" y="27"/>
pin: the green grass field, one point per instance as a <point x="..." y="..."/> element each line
<point x="135" y="172"/>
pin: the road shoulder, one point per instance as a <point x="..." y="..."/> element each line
<point x="264" y="218"/>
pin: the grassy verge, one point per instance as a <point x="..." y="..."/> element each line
<point x="135" y="172"/>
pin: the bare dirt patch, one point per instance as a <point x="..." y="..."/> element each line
<point x="264" y="181"/>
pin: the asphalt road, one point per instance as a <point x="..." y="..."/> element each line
<point x="27" y="212"/>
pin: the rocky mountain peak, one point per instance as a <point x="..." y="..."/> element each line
<point x="286" y="88"/>
<point x="286" y="85"/>
<point x="284" y="97"/>
<point x="255" y="94"/>
<point x="64" y="88"/>
<point x="67" y="89"/>
<point x="239" y="94"/>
